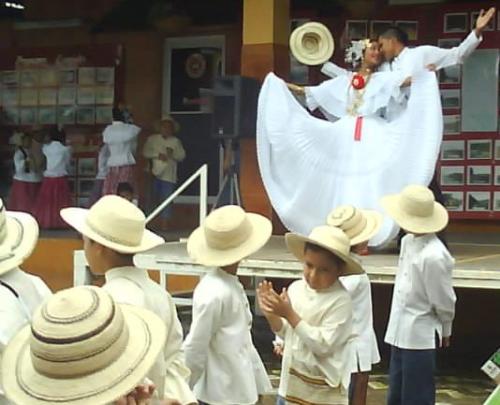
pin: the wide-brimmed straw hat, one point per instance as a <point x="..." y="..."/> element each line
<point x="18" y="238"/>
<point x="359" y="225"/>
<point x="82" y="348"/>
<point x="113" y="222"/>
<point x="169" y="118"/>
<point x="330" y="238"/>
<point x="312" y="43"/>
<point x="228" y="235"/>
<point x="415" y="210"/>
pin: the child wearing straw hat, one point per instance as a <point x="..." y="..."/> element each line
<point x="20" y="293"/>
<point x="114" y="230"/>
<point x="360" y="226"/>
<point x="314" y="317"/>
<point x="423" y="302"/>
<point x="83" y="348"/>
<point x="225" y="366"/>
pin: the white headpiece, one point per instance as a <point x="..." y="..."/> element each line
<point x="354" y="53"/>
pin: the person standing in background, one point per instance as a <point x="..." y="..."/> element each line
<point x="121" y="139"/>
<point x="54" y="192"/>
<point x="27" y="179"/>
<point x="165" y="151"/>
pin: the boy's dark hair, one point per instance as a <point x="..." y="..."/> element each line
<point x="57" y="134"/>
<point x="117" y="115"/>
<point x="124" y="187"/>
<point x="397" y="33"/>
<point x="316" y="248"/>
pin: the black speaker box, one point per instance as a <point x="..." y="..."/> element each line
<point x="234" y="107"/>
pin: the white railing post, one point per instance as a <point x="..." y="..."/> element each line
<point x="203" y="193"/>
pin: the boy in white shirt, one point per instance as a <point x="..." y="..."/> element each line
<point x="20" y="293"/>
<point x="113" y="231"/>
<point x="360" y="226"/>
<point x="225" y="366"/>
<point x="314" y="317"/>
<point x="423" y="302"/>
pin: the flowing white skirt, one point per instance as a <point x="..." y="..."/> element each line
<point x="309" y="166"/>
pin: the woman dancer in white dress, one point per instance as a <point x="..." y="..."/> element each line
<point x="310" y="165"/>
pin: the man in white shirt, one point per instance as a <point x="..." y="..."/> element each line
<point x="423" y="302"/>
<point x="113" y="230"/>
<point x="165" y="151"/>
<point x="20" y="293"/>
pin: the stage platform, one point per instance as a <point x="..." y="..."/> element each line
<point x="477" y="264"/>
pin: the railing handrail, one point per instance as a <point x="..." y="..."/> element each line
<point x="202" y="173"/>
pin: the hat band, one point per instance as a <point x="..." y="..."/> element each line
<point x="107" y="236"/>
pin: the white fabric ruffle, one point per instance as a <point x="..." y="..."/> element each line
<point x="310" y="166"/>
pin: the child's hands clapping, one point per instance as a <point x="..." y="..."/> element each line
<point x="272" y="302"/>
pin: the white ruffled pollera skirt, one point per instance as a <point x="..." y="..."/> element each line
<point x="309" y="166"/>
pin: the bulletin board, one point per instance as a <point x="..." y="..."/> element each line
<point x="75" y="87"/>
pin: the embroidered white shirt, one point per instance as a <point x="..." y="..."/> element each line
<point x="33" y="176"/>
<point x="122" y="141"/>
<point x="423" y="301"/>
<point x="58" y="159"/>
<point x="365" y="348"/>
<point x="16" y="312"/>
<point x="321" y="344"/>
<point x="225" y="366"/>
<point x="130" y="285"/>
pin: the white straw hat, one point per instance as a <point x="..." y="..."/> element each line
<point x="18" y="238"/>
<point x="359" y="225"/>
<point x="330" y="238"/>
<point x="415" y="210"/>
<point x="169" y="118"/>
<point x="227" y="236"/>
<point x="113" y="222"/>
<point x="82" y="348"/>
<point x="312" y="43"/>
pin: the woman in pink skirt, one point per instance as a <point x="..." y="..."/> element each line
<point x="121" y="139"/>
<point x="27" y="178"/>
<point x="54" y="193"/>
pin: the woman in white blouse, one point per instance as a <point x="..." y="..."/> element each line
<point x="54" y="193"/>
<point x="27" y="179"/>
<point x="121" y="139"/>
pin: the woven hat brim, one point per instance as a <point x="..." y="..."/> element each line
<point x="76" y="218"/>
<point x="22" y="237"/>
<point x="296" y="44"/>
<point x="296" y="244"/>
<point x="201" y="253"/>
<point x="374" y="221"/>
<point x="431" y="224"/>
<point x="24" y="385"/>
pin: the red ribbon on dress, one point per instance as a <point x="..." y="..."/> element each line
<point x="357" y="130"/>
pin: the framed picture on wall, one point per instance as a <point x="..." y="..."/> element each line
<point x="47" y="115"/>
<point x="67" y="76"/>
<point x="28" y="116"/>
<point x="496" y="201"/>
<point x="85" y="115"/>
<point x="449" y="42"/>
<point x="478" y="201"/>
<point x="104" y="95"/>
<point x="191" y="65"/>
<point x="473" y="19"/>
<point x="377" y="27"/>
<point x="85" y="186"/>
<point x="66" y="115"/>
<point x="103" y="115"/>
<point x="105" y="75"/>
<point x="497" y="176"/>
<point x="410" y="27"/>
<point x="497" y="149"/>
<point x="48" y="77"/>
<point x="456" y="22"/>
<point x="450" y="75"/>
<point x="452" y="175"/>
<point x="86" y="76"/>
<point x="356" y="29"/>
<point x="453" y="150"/>
<point x="87" y="166"/>
<point x="479" y="175"/>
<point x="450" y="98"/>
<point x="29" y="78"/>
<point x="86" y="95"/>
<point x="451" y="124"/>
<point x="453" y="200"/>
<point x="47" y="96"/>
<point x="479" y="149"/>
<point x="66" y="96"/>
